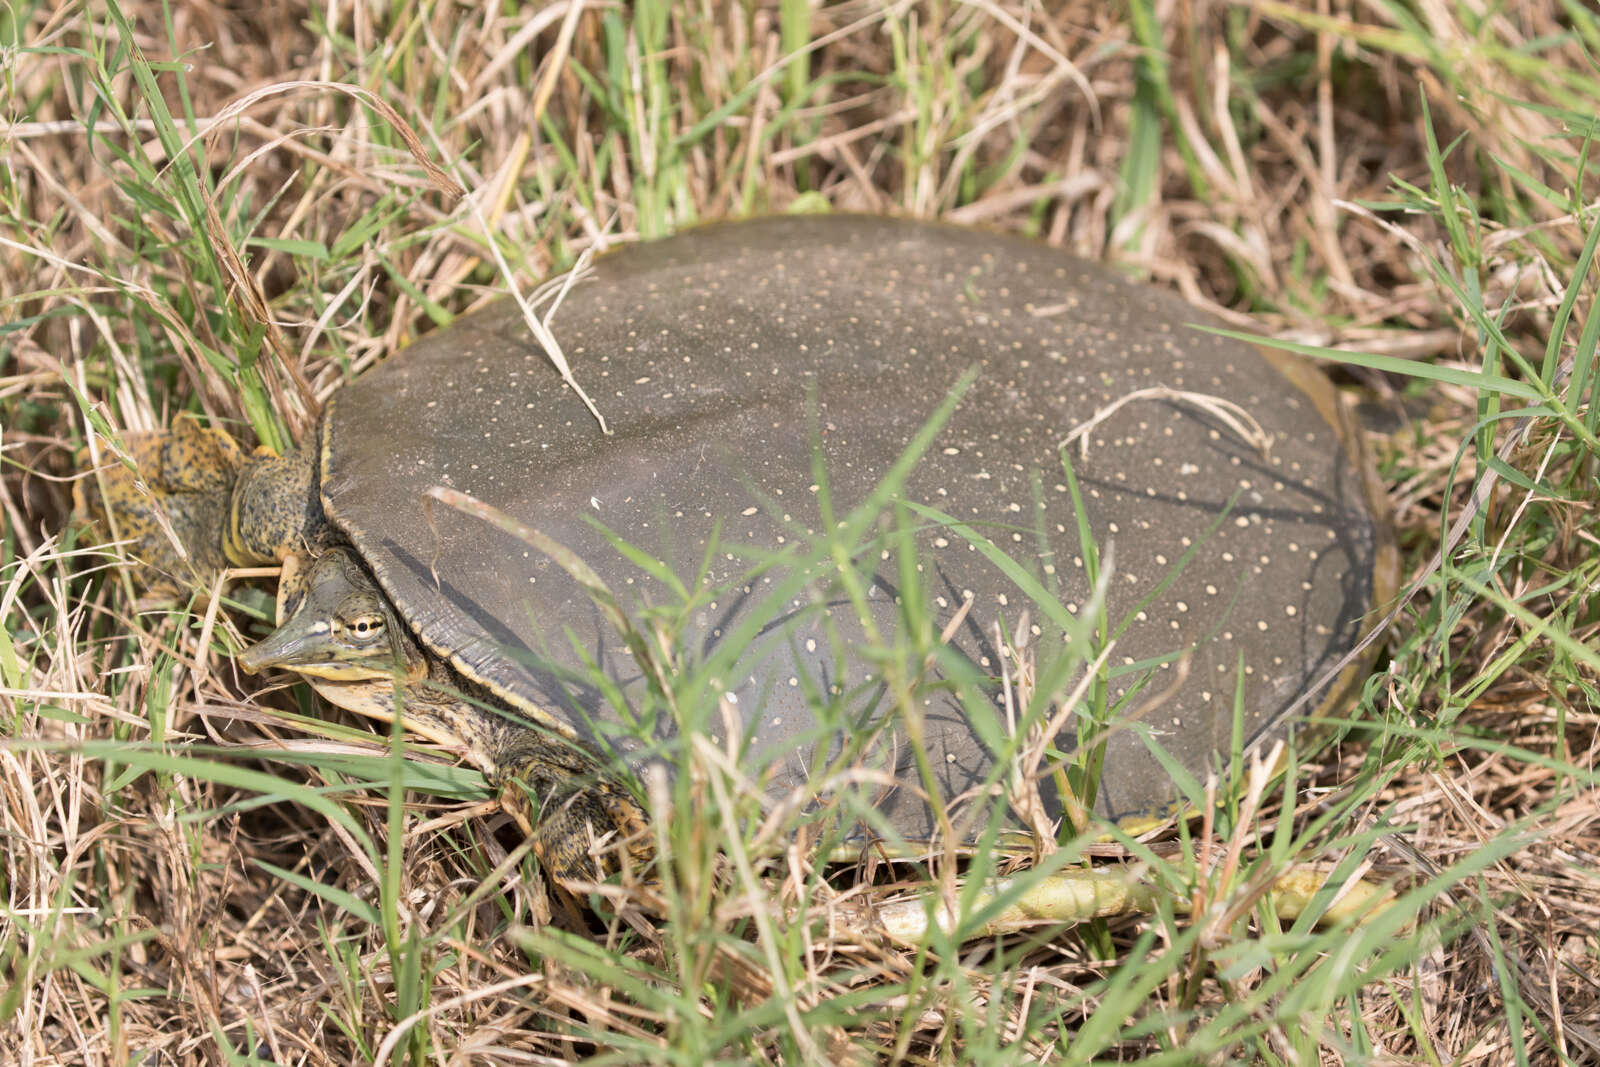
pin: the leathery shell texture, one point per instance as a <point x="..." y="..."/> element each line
<point x="725" y="358"/>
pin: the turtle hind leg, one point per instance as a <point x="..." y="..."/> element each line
<point x="171" y="509"/>
<point x="195" y="504"/>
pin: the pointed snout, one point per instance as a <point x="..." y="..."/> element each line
<point x="283" y="648"/>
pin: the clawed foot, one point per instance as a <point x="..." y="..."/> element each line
<point x="587" y="826"/>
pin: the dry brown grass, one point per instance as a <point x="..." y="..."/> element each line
<point x="133" y="933"/>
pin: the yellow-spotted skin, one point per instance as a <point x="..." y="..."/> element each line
<point x="195" y="459"/>
<point x="194" y="487"/>
<point x="585" y="825"/>
<point x="275" y="509"/>
<point x="179" y="494"/>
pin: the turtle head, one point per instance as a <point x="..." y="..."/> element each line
<point x="335" y="623"/>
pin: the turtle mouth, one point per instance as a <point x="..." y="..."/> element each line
<point x="340" y="671"/>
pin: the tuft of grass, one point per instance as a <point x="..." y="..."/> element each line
<point x="231" y="213"/>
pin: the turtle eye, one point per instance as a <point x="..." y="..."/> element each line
<point x="365" y="627"/>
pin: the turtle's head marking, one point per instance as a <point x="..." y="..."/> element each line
<point x="339" y="626"/>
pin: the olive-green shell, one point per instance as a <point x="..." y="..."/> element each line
<point x="726" y="359"/>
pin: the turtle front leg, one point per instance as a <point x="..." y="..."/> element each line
<point x="587" y="827"/>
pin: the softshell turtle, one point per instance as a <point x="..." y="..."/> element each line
<point x="760" y="378"/>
